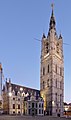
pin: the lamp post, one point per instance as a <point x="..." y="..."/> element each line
<point x="53" y="103"/>
<point x="21" y="89"/>
<point x="10" y="95"/>
<point x="66" y="109"/>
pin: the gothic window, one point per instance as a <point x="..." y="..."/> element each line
<point x="43" y="70"/>
<point x="43" y="85"/>
<point x="60" y="84"/>
<point x="60" y="99"/>
<point x="47" y="47"/>
<point x="56" y="97"/>
<point x="48" y="83"/>
<point x="57" y="48"/>
<point x="56" y="83"/>
<point x="48" y="68"/>
<point x="56" y="68"/>
<point x="60" y="71"/>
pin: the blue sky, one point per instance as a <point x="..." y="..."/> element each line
<point x="20" y="22"/>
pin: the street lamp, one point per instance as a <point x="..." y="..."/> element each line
<point x="53" y="103"/>
<point x="10" y="95"/>
<point x="66" y="109"/>
<point x="21" y="89"/>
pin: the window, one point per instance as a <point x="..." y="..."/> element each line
<point x="60" y="84"/>
<point x="13" y="98"/>
<point x="47" y="47"/>
<point x="36" y="105"/>
<point x="43" y="84"/>
<point x="60" y="99"/>
<point x="29" y="111"/>
<point x="48" y="83"/>
<point x="59" y="110"/>
<point x="36" y="111"/>
<point x="18" y="112"/>
<point x="56" y="110"/>
<point x="13" y="112"/>
<point x="56" y="83"/>
<point x="42" y="105"/>
<point x="18" y="106"/>
<point x="39" y="111"/>
<point x="60" y="71"/>
<point x="57" y="46"/>
<point x="13" y="106"/>
<point x="15" y="93"/>
<point x="43" y="71"/>
<point x="32" y="105"/>
<point x="42" y="111"/>
<point x="56" y="68"/>
<point x="18" y="99"/>
<point x="39" y="105"/>
<point x="56" y="97"/>
<point x="48" y="68"/>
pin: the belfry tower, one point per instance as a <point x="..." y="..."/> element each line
<point x="52" y="70"/>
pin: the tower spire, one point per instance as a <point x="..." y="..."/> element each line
<point x="52" y="19"/>
<point x="52" y="5"/>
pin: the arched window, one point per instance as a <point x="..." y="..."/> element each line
<point x="60" y="99"/>
<point x="60" y="84"/>
<point x="43" y="84"/>
<point x="48" y="68"/>
<point x="56" y="68"/>
<point x="43" y="70"/>
<point x="57" y="47"/>
<point x="56" y="97"/>
<point x="47" y="47"/>
<point x="48" y="83"/>
<point x="60" y="71"/>
<point x="56" y="83"/>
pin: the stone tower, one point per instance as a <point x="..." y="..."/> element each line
<point x="52" y="71"/>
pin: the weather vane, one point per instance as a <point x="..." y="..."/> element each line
<point x="52" y="5"/>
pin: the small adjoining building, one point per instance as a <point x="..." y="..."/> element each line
<point x="34" y="105"/>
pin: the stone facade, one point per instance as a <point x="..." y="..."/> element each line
<point x="14" y="96"/>
<point x="52" y="71"/>
<point x="34" y="106"/>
